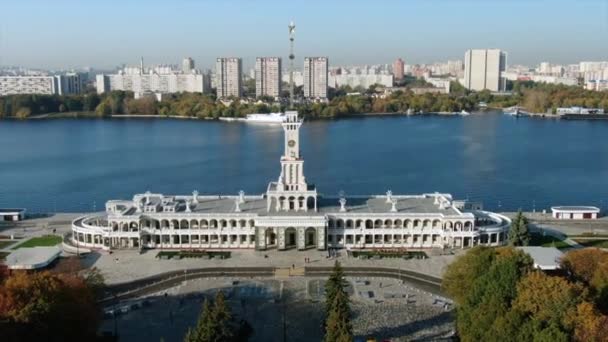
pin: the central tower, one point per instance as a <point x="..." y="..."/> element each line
<point x="291" y="192"/>
<point x="292" y="166"/>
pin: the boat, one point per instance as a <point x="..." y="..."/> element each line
<point x="482" y="105"/>
<point x="270" y="118"/>
<point x="464" y="113"/>
<point x="513" y="111"/>
<point x="230" y="119"/>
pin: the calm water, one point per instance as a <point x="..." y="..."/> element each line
<point x="508" y="163"/>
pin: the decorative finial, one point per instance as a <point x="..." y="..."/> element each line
<point x="194" y="196"/>
<point x="241" y="197"/>
<point x="389" y="196"/>
<point x="188" y="210"/>
<point x="394" y="206"/>
<point x="342" y="204"/>
<point x="237" y="205"/>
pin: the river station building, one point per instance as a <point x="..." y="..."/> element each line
<point x="291" y="214"/>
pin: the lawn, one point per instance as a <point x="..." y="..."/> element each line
<point x="6" y="243"/>
<point x="547" y="241"/>
<point x="599" y="243"/>
<point x="41" y="241"/>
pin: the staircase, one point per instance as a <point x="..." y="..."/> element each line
<point x="286" y="272"/>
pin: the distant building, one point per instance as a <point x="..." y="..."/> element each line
<point x="364" y="81"/>
<point x="578" y="110"/>
<point x="268" y="76"/>
<point x="597" y="85"/>
<point x="229" y="75"/>
<point x="71" y="83"/>
<point x="315" y="77"/>
<point x="575" y="213"/>
<point x="398" y="69"/>
<point x="156" y="80"/>
<point x="483" y="70"/>
<point x="298" y="78"/>
<point x="439" y="83"/>
<point x="187" y="65"/>
<point x="455" y="68"/>
<point x="428" y="90"/>
<point x="555" y="80"/>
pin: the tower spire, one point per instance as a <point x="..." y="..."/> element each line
<point x="292" y="33"/>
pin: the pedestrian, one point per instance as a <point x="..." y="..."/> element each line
<point x="293" y="266"/>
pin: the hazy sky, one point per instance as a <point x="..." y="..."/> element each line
<point x="61" y="33"/>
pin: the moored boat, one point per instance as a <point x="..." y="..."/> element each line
<point x="270" y="118"/>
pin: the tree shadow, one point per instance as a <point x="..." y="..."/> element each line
<point x="411" y="328"/>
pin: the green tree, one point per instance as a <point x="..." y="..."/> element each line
<point x="519" y="234"/>
<point x="206" y="326"/>
<point x="484" y="307"/>
<point x="223" y="318"/>
<point x="465" y="270"/>
<point x="334" y="284"/>
<point x="216" y="324"/>
<point x="338" y="325"/>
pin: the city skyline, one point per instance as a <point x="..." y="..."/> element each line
<point x="562" y="31"/>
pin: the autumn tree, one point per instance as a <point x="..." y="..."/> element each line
<point x="588" y="323"/>
<point x="47" y="306"/>
<point x="590" y="266"/>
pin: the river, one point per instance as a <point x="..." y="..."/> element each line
<point x="505" y="162"/>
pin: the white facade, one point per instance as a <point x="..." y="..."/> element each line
<point x="160" y="79"/>
<point x="187" y="65"/>
<point x="315" y="77"/>
<point x="153" y="83"/>
<point x="483" y="70"/>
<point x="597" y="85"/>
<point x="555" y="80"/>
<point x="45" y="85"/>
<point x="289" y="215"/>
<point x="364" y="81"/>
<point x="12" y="214"/>
<point x="229" y="75"/>
<point x="575" y="213"/>
<point x="298" y="78"/>
<point x="268" y="76"/>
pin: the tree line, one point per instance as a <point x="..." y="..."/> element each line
<point x="501" y="297"/>
<point x="534" y="97"/>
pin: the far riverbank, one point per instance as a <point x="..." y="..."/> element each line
<point x="93" y="115"/>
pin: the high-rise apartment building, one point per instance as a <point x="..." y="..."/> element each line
<point x="228" y="73"/>
<point x="71" y="83"/>
<point x="398" y="69"/>
<point x="483" y="69"/>
<point x="315" y="77"/>
<point x="187" y="65"/>
<point x="160" y="79"/>
<point x="268" y="76"/>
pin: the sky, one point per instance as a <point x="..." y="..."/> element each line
<point x="104" y="34"/>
